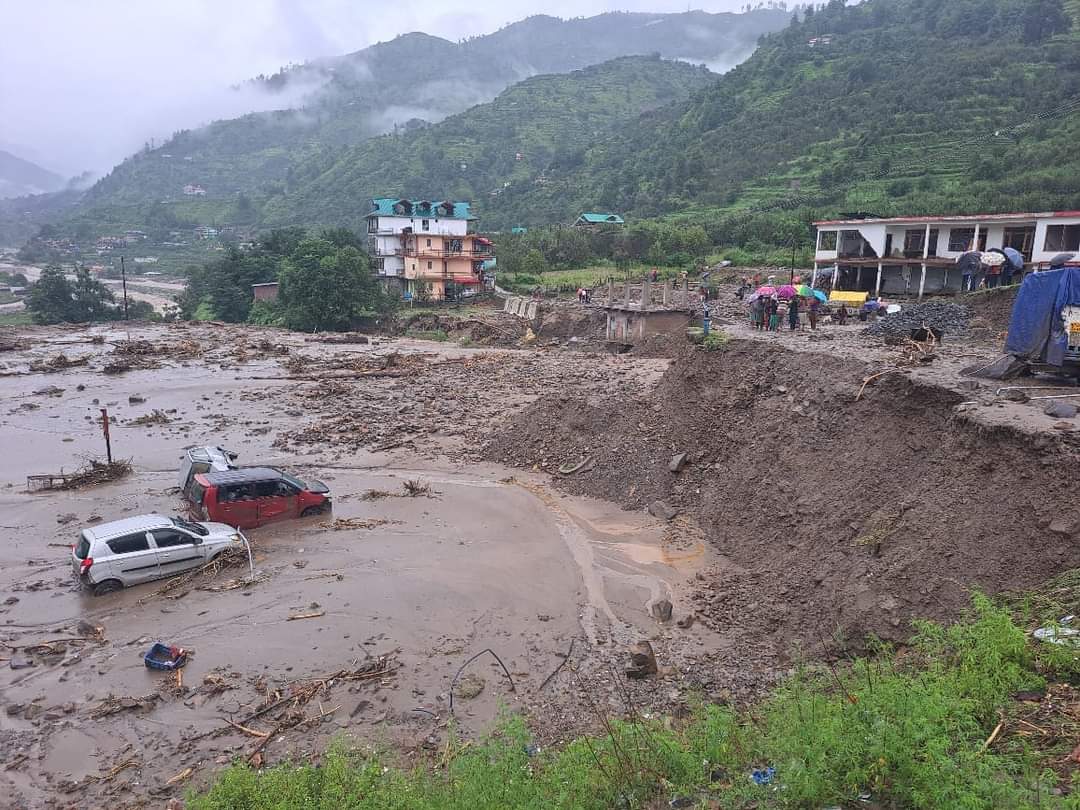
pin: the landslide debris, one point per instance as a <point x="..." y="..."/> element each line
<point x="832" y="516"/>
<point x="952" y="319"/>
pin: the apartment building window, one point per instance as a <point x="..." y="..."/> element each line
<point x="913" y="242"/>
<point x="425" y="224"/>
<point x="373" y="224"/>
<point x="960" y="239"/>
<point x="429" y="243"/>
<point x="828" y="240"/>
<point x="1062" y="238"/>
<point x="429" y="265"/>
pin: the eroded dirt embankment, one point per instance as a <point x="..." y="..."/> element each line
<point x="834" y="518"/>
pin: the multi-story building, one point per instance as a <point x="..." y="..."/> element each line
<point x="917" y="255"/>
<point x="431" y="247"/>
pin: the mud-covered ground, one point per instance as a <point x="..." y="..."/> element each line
<point x="805" y="514"/>
<point x="491" y="559"/>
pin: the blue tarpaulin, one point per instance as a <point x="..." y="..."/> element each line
<point x="1036" y="329"/>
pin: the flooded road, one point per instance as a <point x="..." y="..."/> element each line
<point x="488" y="560"/>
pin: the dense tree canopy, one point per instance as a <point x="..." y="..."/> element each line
<point x="324" y="287"/>
<point x="57" y="299"/>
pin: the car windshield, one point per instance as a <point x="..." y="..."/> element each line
<point x="187" y="525"/>
<point x="292" y="479"/>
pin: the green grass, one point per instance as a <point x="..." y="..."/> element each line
<point x="591" y="277"/>
<point x="20" y="318"/>
<point x="908" y="730"/>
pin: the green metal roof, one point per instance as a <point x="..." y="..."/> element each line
<point x="397" y="207"/>
<point x="595" y="218"/>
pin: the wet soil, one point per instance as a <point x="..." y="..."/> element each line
<point x="833" y="518"/>
<point x="493" y="559"/>
<point x="809" y="511"/>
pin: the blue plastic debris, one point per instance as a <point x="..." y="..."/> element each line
<point x="762" y="776"/>
<point x="165" y="656"/>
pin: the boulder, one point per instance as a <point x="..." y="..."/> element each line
<point x="662" y="510"/>
<point x="642" y="661"/>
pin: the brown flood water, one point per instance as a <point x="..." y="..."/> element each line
<point x="490" y="561"/>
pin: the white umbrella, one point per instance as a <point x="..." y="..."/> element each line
<point x="992" y="259"/>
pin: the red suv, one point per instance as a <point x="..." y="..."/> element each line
<point x="252" y="496"/>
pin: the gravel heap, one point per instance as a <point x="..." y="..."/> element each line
<point x="950" y="318"/>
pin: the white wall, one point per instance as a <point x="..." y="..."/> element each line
<point x="440" y="227"/>
<point x="1039" y="253"/>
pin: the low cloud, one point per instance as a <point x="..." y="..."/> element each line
<point x="82" y="85"/>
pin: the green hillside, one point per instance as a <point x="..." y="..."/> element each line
<point x="544" y="122"/>
<point x="891" y="105"/>
<point x="396" y="86"/>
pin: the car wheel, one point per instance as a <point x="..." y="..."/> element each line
<point x="108" y="586"/>
<point x="311" y="511"/>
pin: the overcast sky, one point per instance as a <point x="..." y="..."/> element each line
<point x="85" y="82"/>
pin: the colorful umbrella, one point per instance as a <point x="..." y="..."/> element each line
<point x="804" y="291"/>
<point x="787" y="291"/>
<point x="821" y="296"/>
<point x="993" y="259"/>
<point x="766" y="290"/>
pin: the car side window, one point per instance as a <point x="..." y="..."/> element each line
<point x="285" y="489"/>
<point x="129" y="543"/>
<point x="266" y="489"/>
<point x="164" y="538"/>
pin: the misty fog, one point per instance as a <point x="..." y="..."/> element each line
<point x="82" y="85"/>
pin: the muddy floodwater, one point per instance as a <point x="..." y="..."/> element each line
<point x="489" y="558"/>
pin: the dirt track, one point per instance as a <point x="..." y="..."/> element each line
<point x="806" y="518"/>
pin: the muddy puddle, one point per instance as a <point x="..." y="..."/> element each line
<point x="489" y="559"/>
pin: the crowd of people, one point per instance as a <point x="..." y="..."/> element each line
<point x="771" y="313"/>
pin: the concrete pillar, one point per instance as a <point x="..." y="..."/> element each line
<point x="686" y="292"/>
<point x="877" y="284"/>
<point x="667" y="293"/>
<point x="858" y="277"/>
<point x="611" y="292"/>
<point x="646" y="293"/>
<point x="922" y="279"/>
<point x="626" y="293"/>
<point x="813" y="276"/>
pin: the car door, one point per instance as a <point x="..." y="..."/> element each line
<point x="133" y="558"/>
<point x="277" y="501"/>
<point x="237" y="506"/>
<point x="177" y="551"/>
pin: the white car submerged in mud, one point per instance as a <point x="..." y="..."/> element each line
<point x="127" y="552"/>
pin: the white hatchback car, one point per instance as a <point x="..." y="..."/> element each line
<point x="138" y="549"/>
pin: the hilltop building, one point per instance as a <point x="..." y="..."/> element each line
<point x="194" y="190"/>
<point x="917" y="255"/>
<point x="594" y="219"/>
<point x="421" y="247"/>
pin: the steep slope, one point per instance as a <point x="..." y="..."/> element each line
<point x="20" y="177"/>
<point x="401" y="83"/>
<point x="480" y="153"/>
<point x="888" y="105"/>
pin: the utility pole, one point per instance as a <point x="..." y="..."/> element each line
<point x="791" y="277"/>
<point x="105" y="430"/>
<point x="123" y="279"/>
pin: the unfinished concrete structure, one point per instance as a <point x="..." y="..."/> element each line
<point x="636" y="311"/>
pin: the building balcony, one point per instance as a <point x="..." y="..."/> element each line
<point x="443" y="253"/>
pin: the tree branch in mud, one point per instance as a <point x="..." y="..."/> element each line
<point x="461" y="669"/>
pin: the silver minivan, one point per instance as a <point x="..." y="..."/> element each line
<point x="126" y="552"/>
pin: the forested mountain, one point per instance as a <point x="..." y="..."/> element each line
<point x="542" y="123"/>
<point x="20" y="177"/>
<point x="403" y="84"/>
<point x="889" y="105"/>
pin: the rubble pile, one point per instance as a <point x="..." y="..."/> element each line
<point x="143" y="354"/>
<point x="414" y="397"/>
<point x="951" y="319"/>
